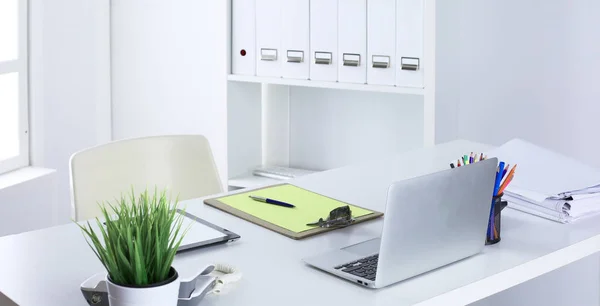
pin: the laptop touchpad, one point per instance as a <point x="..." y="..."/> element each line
<point x="364" y="248"/>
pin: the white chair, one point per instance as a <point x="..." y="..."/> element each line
<point x="183" y="164"/>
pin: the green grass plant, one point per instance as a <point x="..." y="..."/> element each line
<point x="138" y="238"/>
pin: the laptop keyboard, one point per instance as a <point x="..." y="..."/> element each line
<point x="365" y="267"/>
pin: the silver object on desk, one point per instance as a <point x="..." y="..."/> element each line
<point x="432" y="220"/>
<point x="191" y="291"/>
<point x="338" y="217"/>
<point x="202" y="234"/>
<point x="338" y="222"/>
<point x="280" y="173"/>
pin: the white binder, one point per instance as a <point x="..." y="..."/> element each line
<point x="409" y="43"/>
<point x="323" y="40"/>
<point x="295" y="39"/>
<point x="243" y="39"/>
<point x="268" y="38"/>
<point x="352" y="41"/>
<point x="381" y="42"/>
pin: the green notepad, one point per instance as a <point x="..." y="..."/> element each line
<point x="309" y="208"/>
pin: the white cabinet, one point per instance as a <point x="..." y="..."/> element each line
<point x="243" y="37"/>
<point x="295" y="35"/>
<point x="268" y="37"/>
<point x="352" y="41"/>
<point x="324" y="68"/>
<point x="375" y="42"/>
<point x="409" y="43"/>
<point x="381" y="42"/>
<point x="323" y="49"/>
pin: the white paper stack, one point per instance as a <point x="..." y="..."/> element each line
<point x="548" y="184"/>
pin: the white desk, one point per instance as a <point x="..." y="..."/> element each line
<point x="46" y="267"/>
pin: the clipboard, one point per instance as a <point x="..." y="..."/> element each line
<point x="217" y="203"/>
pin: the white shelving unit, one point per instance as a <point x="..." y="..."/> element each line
<point x="270" y="120"/>
<point x="322" y="84"/>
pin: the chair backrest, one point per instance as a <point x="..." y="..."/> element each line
<point x="183" y="164"/>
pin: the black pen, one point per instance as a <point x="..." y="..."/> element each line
<point x="271" y="201"/>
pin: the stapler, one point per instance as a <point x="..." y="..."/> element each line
<point x="191" y="291"/>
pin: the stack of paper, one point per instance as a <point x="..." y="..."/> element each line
<point x="548" y="184"/>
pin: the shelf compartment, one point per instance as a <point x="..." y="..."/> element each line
<point x="324" y="84"/>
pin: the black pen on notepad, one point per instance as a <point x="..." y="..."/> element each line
<point x="271" y="201"/>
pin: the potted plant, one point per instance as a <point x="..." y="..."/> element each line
<point x="137" y="244"/>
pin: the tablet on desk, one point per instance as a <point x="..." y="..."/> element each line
<point x="202" y="233"/>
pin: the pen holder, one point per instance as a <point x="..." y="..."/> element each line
<point x="494" y="224"/>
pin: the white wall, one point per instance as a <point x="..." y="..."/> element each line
<point x="536" y="64"/>
<point x="69" y="105"/>
<point x="71" y="90"/>
<point x="332" y="128"/>
<point x="28" y="205"/>
<point x="169" y="70"/>
<point x="539" y="66"/>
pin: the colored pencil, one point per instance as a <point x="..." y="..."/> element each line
<point x="496" y="188"/>
<point x="505" y="184"/>
<point x="505" y="170"/>
<point x="498" y="177"/>
<point x="504" y="176"/>
<point x="509" y="178"/>
<point x="509" y="173"/>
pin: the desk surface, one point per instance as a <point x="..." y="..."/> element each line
<point x="46" y="267"/>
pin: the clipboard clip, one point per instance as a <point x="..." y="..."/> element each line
<point x="338" y="217"/>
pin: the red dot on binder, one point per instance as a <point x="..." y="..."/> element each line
<point x="243" y="52"/>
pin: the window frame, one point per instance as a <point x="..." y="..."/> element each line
<point x="21" y="66"/>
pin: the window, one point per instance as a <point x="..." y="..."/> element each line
<point x="14" y="138"/>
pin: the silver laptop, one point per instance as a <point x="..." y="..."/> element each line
<point x="430" y="221"/>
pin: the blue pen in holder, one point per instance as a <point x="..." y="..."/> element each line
<point x="493" y="230"/>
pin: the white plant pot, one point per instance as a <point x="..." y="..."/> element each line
<point x="162" y="294"/>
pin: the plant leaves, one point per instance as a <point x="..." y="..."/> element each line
<point x="138" y="241"/>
